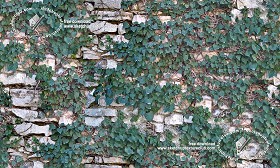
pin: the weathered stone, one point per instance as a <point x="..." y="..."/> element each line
<point x="174" y="119"/>
<point x="111" y="64"/>
<point x="158" y="118"/>
<point x="38" y="164"/>
<point x="100" y="166"/>
<point x="26" y="115"/>
<point x="113" y="15"/>
<point x="89" y="6"/>
<point x="100" y="112"/>
<point x="248" y="4"/>
<point x="205" y="103"/>
<point x="121" y="30"/>
<point x="247" y="115"/>
<point x="17" y="78"/>
<point x="246" y="122"/>
<point x="164" y="19"/>
<point x="159" y="127"/>
<point x="87" y="160"/>
<point x="112" y="4"/>
<point x="139" y="18"/>
<point x="232" y="163"/>
<point x="66" y="118"/>
<point x="113" y="160"/>
<point x="250" y="152"/>
<point x="100" y="27"/>
<point x="24" y="97"/>
<point x="92" y="121"/>
<point x="246" y="164"/>
<point x="46" y="140"/>
<point x="91" y="55"/>
<point x="71" y="63"/>
<point x="29" y="128"/>
<point x="120" y="38"/>
<point x="236" y="14"/>
<point x="276" y="80"/>
<point x="188" y="120"/>
<point x="272" y="90"/>
<point x="217" y="112"/>
<point x="49" y="61"/>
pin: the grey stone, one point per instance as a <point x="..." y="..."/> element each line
<point x="158" y="118"/>
<point x="276" y="80"/>
<point x="17" y="78"/>
<point x="139" y="18"/>
<point x="24" y="97"/>
<point x="272" y="90"/>
<point x="49" y="61"/>
<point x="121" y="30"/>
<point x="111" y="64"/>
<point x="29" y="128"/>
<point x="246" y="164"/>
<point x="205" y="103"/>
<point x="159" y="127"/>
<point x="112" y="4"/>
<point x="188" y="120"/>
<point x="249" y="3"/>
<point x="89" y="54"/>
<point x="89" y="6"/>
<point x="113" y="15"/>
<point x="100" y="112"/>
<point x="100" y="166"/>
<point x="174" y="119"/>
<point x="92" y="121"/>
<point x="100" y="27"/>
<point x="25" y="114"/>
<point x="66" y="118"/>
<point x="236" y="14"/>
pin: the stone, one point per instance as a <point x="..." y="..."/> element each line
<point x="205" y="103"/>
<point x="246" y="122"/>
<point x="24" y="97"/>
<point x="92" y="121"/>
<point x="100" y="166"/>
<point x="38" y="164"/>
<point x="111" y="64"/>
<point x="164" y="19"/>
<point x="100" y="112"/>
<point x="232" y="163"/>
<point x="174" y="119"/>
<point x="46" y="140"/>
<point x="158" y="118"/>
<point x="89" y="6"/>
<point x="20" y="140"/>
<point x="250" y="152"/>
<point x="246" y="164"/>
<point x="236" y="14"/>
<point x="120" y="38"/>
<point x="89" y="54"/>
<point x="276" y="80"/>
<point x="100" y="27"/>
<point x="66" y="118"/>
<point x="217" y="112"/>
<point x="26" y="115"/>
<point x="272" y="90"/>
<point x="159" y="127"/>
<point x="113" y="160"/>
<point x="87" y="160"/>
<point x="188" y="120"/>
<point x="162" y="83"/>
<point x="49" y="61"/>
<point x="17" y="78"/>
<point x="248" y="4"/>
<point x="139" y="19"/>
<point x="113" y="15"/>
<point x="112" y="4"/>
<point x="121" y="30"/>
<point x="29" y="128"/>
<point x="247" y="115"/>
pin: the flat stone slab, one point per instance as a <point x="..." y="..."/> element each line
<point x="100" y="112"/>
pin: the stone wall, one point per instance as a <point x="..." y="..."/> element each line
<point x="25" y="95"/>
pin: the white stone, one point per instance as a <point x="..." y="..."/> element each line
<point x="246" y="164"/>
<point x="112" y="64"/>
<point x="174" y="119"/>
<point x="188" y="120"/>
<point x="205" y="103"/>
<point x="120" y="38"/>
<point x="89" y="6"/>
<point x="46" y="140"/>
<point x="158" y="118"/>
<point x="49" y="61"/>
<point x="100" y="27"/>
<point x="89" y="54"/>
<point x="272" y="90"/>
<point x="248" y="4"/>
<point x="66" y="118"/>
<point x="24" y="97"/>
<point x="236" y="14"/>
<point x="29" y="128"/>
<point x="121" y="30"/>
<point x="6" y="42"/>
<point x="38" y="164"/>
<point x="158" y="127"/>
<point x="17" y="78"/>
<point x="250" y="152"/>
<point x="113" y="4"/>
<point x="139" y="19"/>
<point x="276" y="80"/>
<point x="113" y="15"/>
<point x="164" y="19"/>
<point x="113" y="160"/>
<point x="92" y="121"/>
<point x="26" y="115"/>
<point x="162" y="83"/>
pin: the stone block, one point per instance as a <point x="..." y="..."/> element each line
<point x="100" y="27"/>
<point x="24" y="97"/>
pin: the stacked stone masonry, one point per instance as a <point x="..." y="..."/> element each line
<point x="109" y="22"/>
